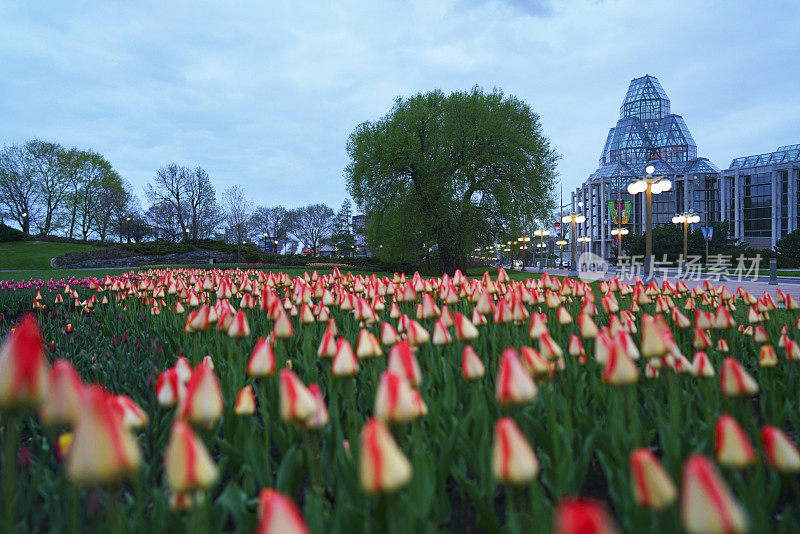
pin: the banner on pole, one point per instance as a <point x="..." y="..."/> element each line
<point x="623" y="208"/>
<point x="708" y="232"/>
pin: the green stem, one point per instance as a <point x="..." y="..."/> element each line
<point x="10" y="471"/>
<point x="115" y="520"/>
<point x="314" y="458"/>
<point x="554" y="433"/>
<point x="265" y="420"/>
<point x="74" y="509"/>
<point x="394" y="519"/>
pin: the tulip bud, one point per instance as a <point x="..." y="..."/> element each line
<point x="131" y="415"/>
<point x="318" y="419"/>
<point x="203" y="403"/>
<point x="183" y="368"/>
<point x="277" y="514"/>
<point x="513" y="459"/>
<point x="344" y="361"/>
<point x="533" y="362"/>
<point x="23" y="368"/>
<point x="389" y="335"/>
<point x="792" y="350"/>
<point x="732" y="448"/>
<point x="382" y="465"/>
<point x="620" y="369"/>
<point x="368" y="345"/>
<point x="767" y="356"/>
<point x="396" y="400"/>
<point x="417" y="334"/>
<point x="701" y="365"/>
<point x="103" y="450"/>
<point x="283" y="328"/>
<point x="472" y="367"/>
<point x="327" y="347"/>
<point x="169" y="388"/>
<point x="187" y="464"/>
<point x="652" y="486"/>
<point x="262" y="360"/>
<point x="245" y="401"/>
<point x="583" y="516"/>
<point x="735" y="381"/>
<point x="782" y="454"/>
<point x="706" y="502"/>
<point x="296" y="402"/>
<point x="64" y="388"/>
<point x="403" y="362"/>
<point x="514" y="384"/>
<point x="239" y="326"/>
<point x="465" y="330"/>
<point x="537" y="326"/>
<point x="563" y="316"/>
<point x="63" y="444"/>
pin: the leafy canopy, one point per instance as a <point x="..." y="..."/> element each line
<point x="442" y="173"/>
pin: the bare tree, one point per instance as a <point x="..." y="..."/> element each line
<point x="238" y="211"/>
<point x="47" y="165"/>
<point x="170" y="186"/>
<point x="271" y="224"/>
<point x="311" y="224"/>
<point x="192" y="197"/>
<point x="19" y="194"/>
<point x="201" y="204"/>
<point x="163" y="219"/>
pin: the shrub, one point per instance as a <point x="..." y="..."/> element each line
<point x="10" y="234"/>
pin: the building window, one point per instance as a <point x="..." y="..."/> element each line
<point x="757" y="208"/>
<point x="784" y="184"/>
<point x="731" y="201"/>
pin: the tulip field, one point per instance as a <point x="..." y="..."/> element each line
<point x="204" y="400"/>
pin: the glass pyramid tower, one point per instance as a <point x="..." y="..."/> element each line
<point x="648" y="133"/>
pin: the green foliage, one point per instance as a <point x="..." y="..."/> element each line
<point x="342" y="237"/>
<point x="10" y="234"/>
<point x="789" y="245"/>
<point x="668" y="239"/>
<point x="441" y="173"/>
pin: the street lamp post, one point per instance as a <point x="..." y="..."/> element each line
<point x="619" y="232"/>
<point x="524" y="239"/>
<point x="541" y="233"/>
<point x="650" y="185"/>
<point x="584" y="239"/>
<point x="561" y="243"/>
<point x="686" y="218"/>
<point x="573" y="218"/>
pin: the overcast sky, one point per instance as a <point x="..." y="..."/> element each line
<point x="265" y="94"/>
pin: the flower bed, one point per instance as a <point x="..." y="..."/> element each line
<point x="219" y="401"/>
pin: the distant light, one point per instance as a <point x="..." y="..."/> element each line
<point x="650" y="169"/>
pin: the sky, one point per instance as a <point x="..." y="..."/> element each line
<point x="265" y="94"/>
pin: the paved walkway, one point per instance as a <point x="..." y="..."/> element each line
<point x="756" y="288"/>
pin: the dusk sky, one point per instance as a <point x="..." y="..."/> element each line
<point x="266" y="96"/>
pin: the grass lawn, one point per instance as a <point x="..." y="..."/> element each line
<point x="34" y="254"/>
<point x="57" y="274"/>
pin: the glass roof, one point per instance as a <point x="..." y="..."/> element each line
<point x="647" y="132"/>
<point x="784" y="154"/>
<point x="645" y="99"/>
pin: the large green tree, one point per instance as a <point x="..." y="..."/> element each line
<point x="441" y="173"/>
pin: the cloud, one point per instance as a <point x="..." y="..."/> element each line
<point x="265" y="95"/>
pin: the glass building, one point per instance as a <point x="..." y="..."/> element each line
<point x="647" y="133"/>
<point x="760" y="196"/>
